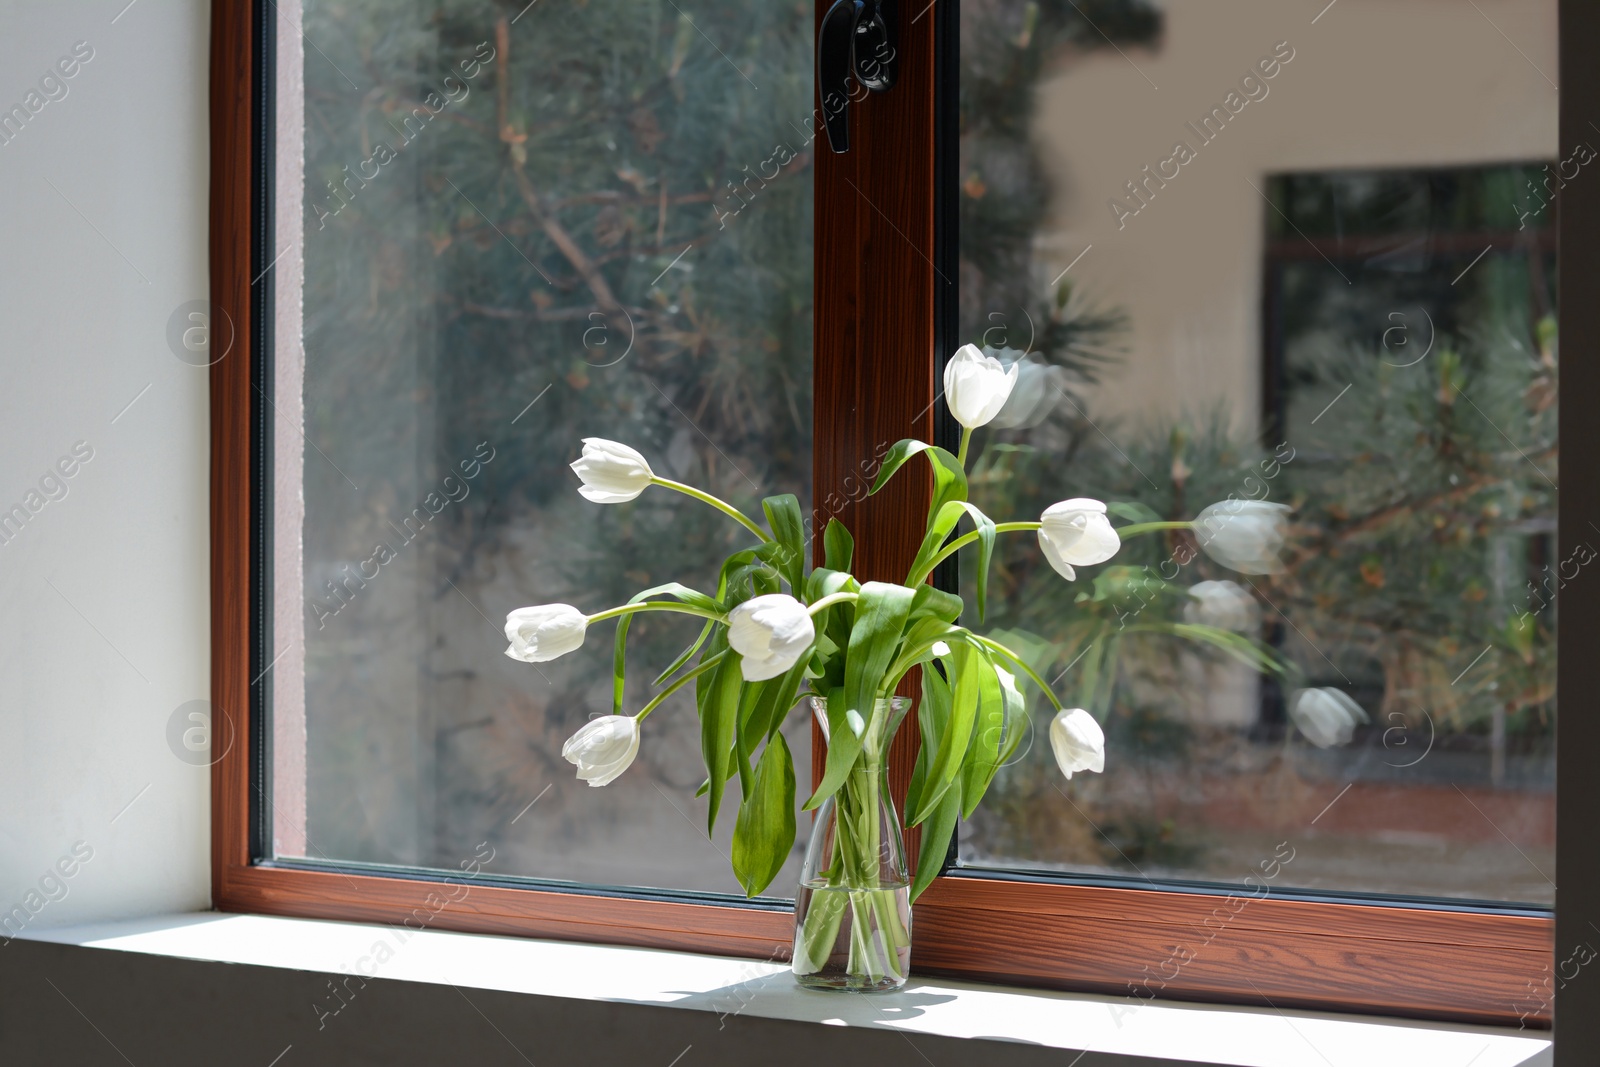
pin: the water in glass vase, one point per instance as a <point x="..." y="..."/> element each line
<point x="853" y="908"/>
<point x="854" y="939"/>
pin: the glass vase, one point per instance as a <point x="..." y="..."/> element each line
<point x="852" y="913"/>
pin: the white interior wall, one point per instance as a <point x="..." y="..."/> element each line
<point x="104" y="628"/>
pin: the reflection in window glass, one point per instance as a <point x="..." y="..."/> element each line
<point x="1234" y="271"/>
<point x="523" y="225"/>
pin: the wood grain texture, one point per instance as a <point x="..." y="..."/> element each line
<point x="490" y="909"/>
<point x="231" y="165"/>
<point x="874" y="336"/>
<point x="1412" y="962"/>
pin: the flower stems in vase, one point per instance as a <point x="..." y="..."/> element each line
<point x="853" y="914"/>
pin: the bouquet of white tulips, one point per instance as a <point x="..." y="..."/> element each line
<point x="775" y="631"/>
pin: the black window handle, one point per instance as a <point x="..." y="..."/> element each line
<point x="855" y="47"/>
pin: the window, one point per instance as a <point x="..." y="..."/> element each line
<point x="457" y="246"/>
<point x="1406" y="319"/>
<point x="498" y="263"/>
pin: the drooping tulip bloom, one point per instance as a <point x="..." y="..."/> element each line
<point x="544" y="632"/>
<point x="771" y="632"/>
<point x="1224" y="605"/>
<point x="1035" y="394"/>
<point x="1243" y="535"/>
<point x="1076" y="533"/>
<point x="1078" y="742"/>
<point x="612" y="473"/>
<point x="1326" y="716"/>
<point x="603" y="748"/>
<point x="976" y="386"/>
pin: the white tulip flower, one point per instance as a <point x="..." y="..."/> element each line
<point x="603" y="748"/>
<point x="1243" y="535"/>
<point x="544" y="632"/>
<point x="1224" y="605"/>
<point x="1078" y="742"/>
<point x="1034" y="395"/>
<point x="612" y="473"/>
<point x="976" y="386"/>
<point x="1327" y="716"/>
<point x="1076" y="533"/>
<point x="771" y="632"/>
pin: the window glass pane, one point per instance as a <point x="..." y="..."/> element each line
<point x="1302" y="254"/>
<point x="511" y="230"/>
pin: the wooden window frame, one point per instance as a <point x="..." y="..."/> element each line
<point x="883" y="305"/>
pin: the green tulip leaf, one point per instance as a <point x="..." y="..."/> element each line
<point x="1015" y="663"/>
<point x="951" y="749"/>
<point x="843" y="748"/>
<point x="1238" y="646"/>
<point x="764" y="831"/>
<point x="881" y="614"/>
<point x="745" y="574"/>
<point x="949" y="479"/>
<point x="717" y="694"/>
<point x="937" y="604"/>
<point x="936" y="834"/>
<point x="824" y="581"/>
<point x="939" y="530"/>
<point x="789" y="539"/>
<point x="924" y="632"/>
<point x="832" y="624"/>
<point x="766" y="579"/>
<point x="932" y="714"/>
<point x="770" y="707"/>
<point x="1000" y="705"/>
<point x="731" y="567"/>
<point x="751" y="695"/>
<point x="838" y="547"/>
<point x="1036" y="651"/>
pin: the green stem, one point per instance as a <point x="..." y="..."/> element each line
<point x="678" y="683"/>
<point x="962" y="542"/>
<point x="906" y="660"/>
<point x="1125" y="532"/>
<point x="961" y="453"/>
<point x="997" y="647"/>
<point x="830" y="600"/>
<point x="854" y="964"/>
<point x="878" y="922"/>
<point x="874" y="766"/>
<point x="862" y="897"/>
<point x="656" y="605"/>
<point x="721" y="505"/>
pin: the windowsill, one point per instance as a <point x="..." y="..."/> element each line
<point x="1110" y="1027"/>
